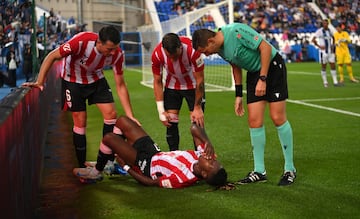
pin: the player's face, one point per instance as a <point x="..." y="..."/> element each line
<point x="208" y="49"/>
<point x="211" y="166"/>
<point x="108" y="48"/>
<point x="325" y="24"/>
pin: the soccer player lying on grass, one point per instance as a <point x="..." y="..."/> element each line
<point x="143" y="160"/>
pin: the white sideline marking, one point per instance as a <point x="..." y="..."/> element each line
<point x="303" y="73"/>
<point x="303" y="102"/>
<point x="325" y="108"/>
<point x="330" y="99"/>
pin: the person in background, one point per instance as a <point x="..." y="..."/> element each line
<point x="12" y="66"/>
<point x="343" y="56"/>
<point x="324" y="40"/>
<point x="27" y="66"/>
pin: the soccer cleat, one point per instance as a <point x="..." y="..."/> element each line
<point x="253" y="177"/>
<point x="88" y="174"/>
<point x="118" y="169"/>
<point x="338" y="85"/>
<point x="326" y="85"/>
<point x="354" y="80"/>
<point x="111" y="168"/>
<point x="287" y="178"/>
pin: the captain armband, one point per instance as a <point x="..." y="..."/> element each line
<point x="238" y="90"/>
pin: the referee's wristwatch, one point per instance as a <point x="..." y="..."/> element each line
<point x="263" y="77"/>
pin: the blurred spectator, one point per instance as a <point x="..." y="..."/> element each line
<point x="274" y="42"/>
<point x="12" y="66"/>
<point x="71" y="20"/>
<point x="27" y="66"/>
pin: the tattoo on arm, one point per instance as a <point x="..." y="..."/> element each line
<point x="201" y="91"/>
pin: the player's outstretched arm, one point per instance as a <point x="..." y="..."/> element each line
<point x="44" y="69"/>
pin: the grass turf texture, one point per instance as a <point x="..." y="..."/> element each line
<point x="326" y="156"/>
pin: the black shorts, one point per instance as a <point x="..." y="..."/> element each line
<point x="74" y="95"/>
<point x="276" y="82"/>
<point x="173" y="99"/>
<point x="146" y="148"/>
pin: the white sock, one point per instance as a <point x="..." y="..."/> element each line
<point x="334" y="76"/>
<point x="323" y="76"/>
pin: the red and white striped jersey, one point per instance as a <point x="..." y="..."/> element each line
<point x="175" y="168"/>
<point x="83" y="64"/>
<point x="179" y="74"/>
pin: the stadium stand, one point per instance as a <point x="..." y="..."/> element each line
<point x="15" y="35"/>
<point x="281" y="21"/>
<point x="292" y="21"/>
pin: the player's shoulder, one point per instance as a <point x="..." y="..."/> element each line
<point x="185" y="40"/>
<point x="187" y="44"/>
<point x="157" y="50"/>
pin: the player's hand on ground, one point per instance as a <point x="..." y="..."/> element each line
<point x="33" y="84"/>
<point x="239" y="109"/>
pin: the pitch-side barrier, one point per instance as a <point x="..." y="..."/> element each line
<point x="24" y="117"/>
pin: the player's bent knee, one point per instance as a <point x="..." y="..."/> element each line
<point x="120" y="121"/>
<point x="174" y="117"/>
<point x="108" y="138"/>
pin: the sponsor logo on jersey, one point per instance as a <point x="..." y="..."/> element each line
<point x="199" y="62"/>
<point x="166" y="183"/>
<point x="67" y="47"/>
<point x="83" y="60"/>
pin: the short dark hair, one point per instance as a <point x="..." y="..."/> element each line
<point x="218" y="179"/>
<point x="171" y="42"/>
<point x="200" y="37"/>
<point x="109" y="33"/>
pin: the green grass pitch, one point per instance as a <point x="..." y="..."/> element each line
<point x="326" y="127"/>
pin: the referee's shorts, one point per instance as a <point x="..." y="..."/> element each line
<point x="276" y="82"/>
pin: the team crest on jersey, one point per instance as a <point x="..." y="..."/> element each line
<point x="83" y="60"/>
<point x="256" y="38"/>
<point x="238" y="36"/>
<point x="107" y="61"/>
<point x="199" y="62"/>
<point x="67" y="47"/>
